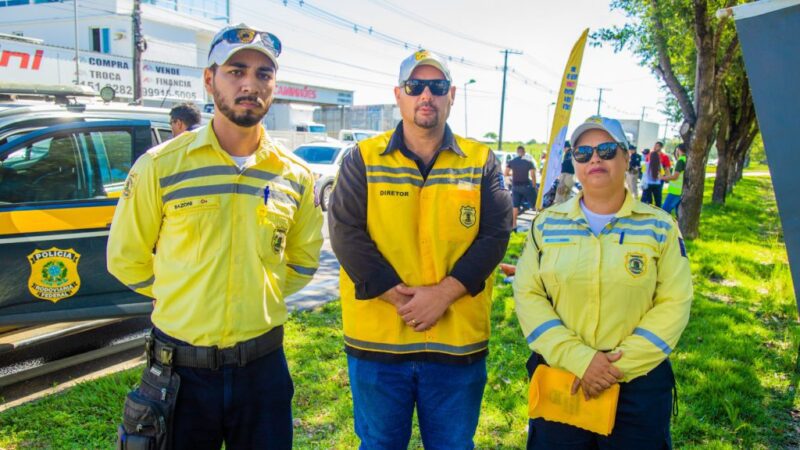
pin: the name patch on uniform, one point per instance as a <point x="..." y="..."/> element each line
<point x="467" y="217"/>
<point x="551" y="240"/>
<point x="54" y="274"/>
<point x="636" y="264"/>
<point x="391" y="193"/>
<point x="191" y="204"/>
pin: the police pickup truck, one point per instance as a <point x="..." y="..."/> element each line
<point x="62" y="169"/>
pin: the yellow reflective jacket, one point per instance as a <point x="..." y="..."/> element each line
<point x="422" y="228"/>
<point x="225" y="257"/>
<point x="629" y="288"/>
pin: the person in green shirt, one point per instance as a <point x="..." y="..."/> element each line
<point x="675" y="188"/>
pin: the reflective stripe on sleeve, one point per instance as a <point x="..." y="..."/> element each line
<point x="538" y="331"/>
<point x="302" y="270"/>
<point x="657" y="341"/>
<point x="143" y="284"/>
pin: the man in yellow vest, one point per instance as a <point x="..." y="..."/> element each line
<point x="218" y="225"/>
<point x="419" y="219"/>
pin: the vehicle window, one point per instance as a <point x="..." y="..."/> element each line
<point x="361" y="136"/>
<point x="164" y="135"/>
<point x="317" y="155"/>
<point x="114" y="152"/>
<point x="45" y="170"/>
<point x="316" y="128"/>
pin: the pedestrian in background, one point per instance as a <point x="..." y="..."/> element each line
<point x="523" y="183"/>
<point x="651" y="180"/>
<point x="675" y="187"/>
<point x="183" y="117"/>
<point x="634" y="171"/>
<point x="566" y="179"/>
<point x="603" y="291"/>
<point x="219" y="227"/>
<point x="419" y="220"/>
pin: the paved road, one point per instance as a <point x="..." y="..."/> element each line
<point x="325" y="285"/>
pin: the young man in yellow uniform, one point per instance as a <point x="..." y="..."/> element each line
<point x="419" y="220"/>
<point x="219" y="225"/>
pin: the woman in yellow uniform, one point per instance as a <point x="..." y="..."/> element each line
<point x="603" y="291"/>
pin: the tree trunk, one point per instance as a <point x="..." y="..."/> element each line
<point x="723" y="175"/>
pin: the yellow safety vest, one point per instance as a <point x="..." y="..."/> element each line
<point x="422" y="227"/>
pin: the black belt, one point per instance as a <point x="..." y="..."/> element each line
<point x="171" y="354"/>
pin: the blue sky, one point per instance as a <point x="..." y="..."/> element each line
<point x="321" y="47"/>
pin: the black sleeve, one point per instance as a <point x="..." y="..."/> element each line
<point x="347" y="224"/>
<point x="680" y="166"/>
<point x="489" y="247"/>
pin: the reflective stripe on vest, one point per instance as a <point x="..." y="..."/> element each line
<point x="422" y="227"/>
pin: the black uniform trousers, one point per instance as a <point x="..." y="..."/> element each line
<point x="246" y="407"/>
<point x="643" y="417"/>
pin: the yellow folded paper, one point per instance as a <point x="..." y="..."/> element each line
<point x="549" y="397"/>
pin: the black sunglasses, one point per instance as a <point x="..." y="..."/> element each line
<point x="248" y="36"/>
<point x="606" y="150"/>
<point x="417" y="87"/>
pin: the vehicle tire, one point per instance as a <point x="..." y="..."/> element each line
<point x="325" y="196"/>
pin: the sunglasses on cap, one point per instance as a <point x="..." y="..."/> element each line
<point x="249" y="36"/>
<point x="606" y="150"/>
<point x="416" y="87"/>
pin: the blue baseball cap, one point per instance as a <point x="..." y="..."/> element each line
<point x="610" y="126"/>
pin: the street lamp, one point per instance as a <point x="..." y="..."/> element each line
<point x="547" y="124"/>
<point x="466" y="132"/>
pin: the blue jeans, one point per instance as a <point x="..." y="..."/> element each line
<point x="671" y="202"/>
<point x="447" y="397"/>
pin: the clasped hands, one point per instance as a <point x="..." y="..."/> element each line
<point x="599" y="376"/>
<point x="422" y="306"/>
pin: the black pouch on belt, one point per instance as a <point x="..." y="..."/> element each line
<point x="149" y="409"/>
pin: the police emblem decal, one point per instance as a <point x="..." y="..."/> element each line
<point x="278" y="240"/>
<point x="467" y="216"/>
<point x="636" y="264"/>
<point x="54" y="274"/>
<point x="130" y="182"/>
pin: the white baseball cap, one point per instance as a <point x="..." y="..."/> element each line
<point x="235" y="38"/>
<point x="422" y="58"/>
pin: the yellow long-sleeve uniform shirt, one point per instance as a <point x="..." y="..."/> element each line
<point x="218" y="247"/>
<point x="628" y="288"/>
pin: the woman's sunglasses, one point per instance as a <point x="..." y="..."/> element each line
<point x="416" y="87"/>
<point x="606" y="150"/>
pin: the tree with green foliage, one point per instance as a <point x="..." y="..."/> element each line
<point x="491" y="135"/>
<point x="692" y="51"/>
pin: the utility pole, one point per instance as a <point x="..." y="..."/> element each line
<point x="77" y="55"/>
<point x="466" y="129"/>
<point x="600" y="98"/>
<point x="139" y="46"/>
<point x="503" y="95"/>
<point x="643" y="107"/>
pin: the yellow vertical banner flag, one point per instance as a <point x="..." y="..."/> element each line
<point x="558" y="133"/>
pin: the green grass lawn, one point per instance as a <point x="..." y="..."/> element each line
<point x="735" y="363"/>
